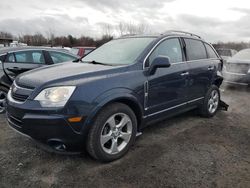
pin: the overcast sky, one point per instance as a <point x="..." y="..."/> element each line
<point x="214" y="20"/>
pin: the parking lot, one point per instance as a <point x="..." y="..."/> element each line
<point x="184" y="151"/>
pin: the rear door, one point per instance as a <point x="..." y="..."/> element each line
<point x="22" y="61"/>
<point x="167" y="88"/>
<point x="200" y="69"/>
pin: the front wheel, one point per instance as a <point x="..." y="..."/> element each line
<point x="211" y="102"/>
<point x="3" y="96"/>
<point x="112" y="133"/>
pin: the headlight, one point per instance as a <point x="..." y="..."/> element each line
<point x="55" y="96"/>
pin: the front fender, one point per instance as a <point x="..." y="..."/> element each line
<point x="113" y="95"/>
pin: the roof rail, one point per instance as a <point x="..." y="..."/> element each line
<point x="181" y="32"/>
<point x="129" y="35"/>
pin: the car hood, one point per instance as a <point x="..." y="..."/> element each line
<point x="61" y="73"/>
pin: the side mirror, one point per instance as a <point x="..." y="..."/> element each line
<point x="159" y="62"/>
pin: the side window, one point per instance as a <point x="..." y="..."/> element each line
<point x="170" y="48"/>
<point x="87" y="51"/>
<point x="195" y="49"/>
<point x="38" y="57"/>
<point x="210" y="52"/>
<point x="30" y="57"/>
<point x="59" y="57"/>
<point x="10" y="58"/>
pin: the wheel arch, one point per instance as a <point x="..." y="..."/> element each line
<point x="133" y="105"/>
<point x="218" y="81"/>
<point x="131" y="100"/>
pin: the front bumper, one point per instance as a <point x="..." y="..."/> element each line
<point x="46" y="127"/>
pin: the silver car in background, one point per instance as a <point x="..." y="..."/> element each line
<point x="226" y="53"/>
<point x="237" y="69"/>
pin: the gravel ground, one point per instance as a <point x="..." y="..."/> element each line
<point x="184" y="151"/>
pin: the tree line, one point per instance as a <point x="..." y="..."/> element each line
<point x="50" y="39"/>
<point x="39" y="39"/>
<point x="109" y="32"/>
<point x="232" y="45"/>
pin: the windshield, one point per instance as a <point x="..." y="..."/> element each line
<point x="119" y="52"/>
<point x="242" y="55"/>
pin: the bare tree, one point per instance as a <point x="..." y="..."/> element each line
<point x="121" y="28"/>
<point x="131" y="28"/>
<point x="107" y="29"/>
<point x="50" y="36"/>
<point x="232" y="45"/>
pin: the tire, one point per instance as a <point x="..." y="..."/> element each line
<point x="109" y="139"/>
<point x="3" y="95"/>
<point x="211" y="102"/>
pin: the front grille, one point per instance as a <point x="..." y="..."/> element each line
<point x="25" y="86"/>
<point x="15" y="121"/>
<point x="237" y="68"/>
<point x="19" y="97"/>
<point x="20" y="94"/>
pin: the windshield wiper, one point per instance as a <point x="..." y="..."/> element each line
<point x="97" y="63"/>
<point x="77" y="60"/>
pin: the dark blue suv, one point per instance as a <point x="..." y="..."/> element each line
<point x="128" y="83"/>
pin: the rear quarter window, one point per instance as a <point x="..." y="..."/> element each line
<point x="2" y="58"/>
<point x="59" y="57"/>
<point x="210" y="52"/>
<point x="195" y="49"/>
<point x="10" y="58"/>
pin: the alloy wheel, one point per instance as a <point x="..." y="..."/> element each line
<point x="213" y="101"/>
<point x="116" y="133"/>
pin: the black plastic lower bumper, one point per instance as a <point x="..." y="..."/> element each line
<point x="52" y="130"/>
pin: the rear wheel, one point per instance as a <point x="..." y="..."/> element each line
<point x="3" y="96"/>
<point x="211" y="102"/>
<point x="113" y="132"/>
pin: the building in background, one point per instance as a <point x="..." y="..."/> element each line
<point x="17" y="44"/>
<point x="5" y="41"/>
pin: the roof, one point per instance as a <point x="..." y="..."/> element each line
<point x="13" y="49"/>
<point x="92" y="47"/>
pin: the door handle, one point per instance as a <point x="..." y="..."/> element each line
<point x="210" y="68"/>
<point x="185" y="74"/>
<point x="14" y="68"/>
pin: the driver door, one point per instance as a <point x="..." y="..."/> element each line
<point x="167" y="88"/>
